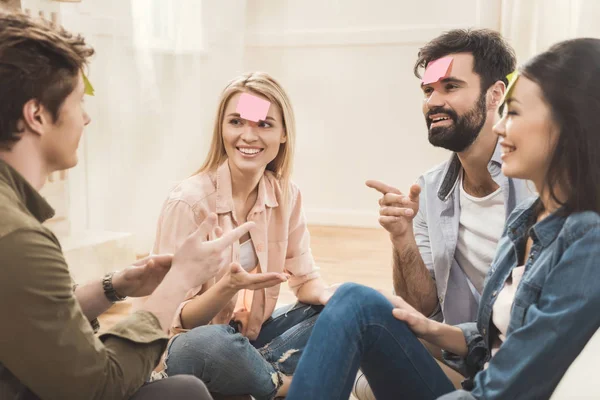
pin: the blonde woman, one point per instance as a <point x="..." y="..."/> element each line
<point x="229" y="333"/>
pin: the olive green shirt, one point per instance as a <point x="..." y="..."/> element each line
<point x="47" y="346"/>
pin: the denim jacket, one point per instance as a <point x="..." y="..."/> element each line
<point x="436" y="232"/>
<point x="554" y="314"/>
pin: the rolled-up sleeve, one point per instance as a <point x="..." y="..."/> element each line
<point x="299" y="262"/>
<point x="49" y="345"/>
<point x="477" y="352"/>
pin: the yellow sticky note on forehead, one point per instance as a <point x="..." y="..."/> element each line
<point x="512" y="78"/>
<point x="89" y="89"/>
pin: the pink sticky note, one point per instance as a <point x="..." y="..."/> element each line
<point x="437" y="70"/>
<point x="252" y="108"/>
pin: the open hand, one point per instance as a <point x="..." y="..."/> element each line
<point x="238" y="278"/>
<point x="141" y="278"/>
<point x="417" y="322"/>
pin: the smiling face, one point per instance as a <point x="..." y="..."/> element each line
<point x="527" y="133"/>
<point x="251" y="146"/>
<point x="454" y="107"/>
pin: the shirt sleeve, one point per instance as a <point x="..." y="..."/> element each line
<point x="477" y="352"/>
<point x="421" y="232"/>
<point x="49" y="345"/>
<point x="176" y="222"/>
<point x="299" y="262"/>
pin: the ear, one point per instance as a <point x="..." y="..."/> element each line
<point x="496" y="94"/>
<point x="35" y="117"/>
<point x="283" y="138"/>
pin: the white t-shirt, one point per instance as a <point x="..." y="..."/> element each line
<point x="248" y="258"/>
<point x="480" y="227"/>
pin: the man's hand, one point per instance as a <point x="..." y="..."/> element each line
<point x="143" y="276"/>
<point x="396" y="209"/>
<point x="199" y="259"/>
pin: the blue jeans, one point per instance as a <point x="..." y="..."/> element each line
<point x="229" y="364"/>
<point x="357" y="329"/>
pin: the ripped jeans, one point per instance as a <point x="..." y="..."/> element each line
<point x="229" y="364"/>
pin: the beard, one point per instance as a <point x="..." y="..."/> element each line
<point x="464" y="129"/>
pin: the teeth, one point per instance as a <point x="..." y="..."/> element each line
<point x="440" y="119"/>
<point x="249" y="151"/>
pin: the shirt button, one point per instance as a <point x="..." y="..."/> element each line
<point x="484" y="331"/>
<point x="495" y="293"/>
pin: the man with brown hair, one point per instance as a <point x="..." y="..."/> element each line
<point x="48" y="349"/>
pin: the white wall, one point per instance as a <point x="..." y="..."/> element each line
<point x="532" y="26"/>
<point x="347" y="66"/>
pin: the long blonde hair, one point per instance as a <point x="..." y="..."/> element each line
<point x="262" y="84"/>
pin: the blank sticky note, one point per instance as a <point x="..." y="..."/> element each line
<point x="252" y="108"/>
<point x="437" y="70"/>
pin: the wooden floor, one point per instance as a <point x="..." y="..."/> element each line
<point x="344" y="255"/>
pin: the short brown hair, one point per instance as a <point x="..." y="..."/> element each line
<point x="493" y="57"/>
<point x="37" y="61"/>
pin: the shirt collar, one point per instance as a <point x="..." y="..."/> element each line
<point x="25" y="194"/>
<point x="544" y="231"/>
<point x="454" y="167"/>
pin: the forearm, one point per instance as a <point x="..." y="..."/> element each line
<point x="412" y="280"/>
<point x="203" y="308"/>
<point x="310" y="292"/>
<point x="447" y="337"/>
<point x="91" y="299"/>
<point x="163" y="302"/>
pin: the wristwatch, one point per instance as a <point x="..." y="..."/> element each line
<point x="109" y="291"/>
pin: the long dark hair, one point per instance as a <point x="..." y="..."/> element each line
<point x="568" y="74"/>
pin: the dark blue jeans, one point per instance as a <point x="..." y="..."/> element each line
<point x="357" y="329"/>
<point x="229" y="364"/>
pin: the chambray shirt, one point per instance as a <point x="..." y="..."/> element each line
<point x="436" y="232"/>
<point x="554" y="314"/>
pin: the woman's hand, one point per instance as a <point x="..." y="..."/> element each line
<point x="417" y="322"/>
<point x="237" y="278"/>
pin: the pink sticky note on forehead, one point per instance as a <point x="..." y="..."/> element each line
<point x="252" y="108"/>
<point x="437" y="70"/>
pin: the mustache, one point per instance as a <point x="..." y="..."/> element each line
<point x="441" y="110"/>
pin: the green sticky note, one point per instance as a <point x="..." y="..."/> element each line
<point x="512" y="78"/>
<point x="89" y="89"/>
